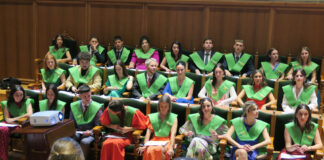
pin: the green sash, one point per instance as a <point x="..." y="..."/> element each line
<point x="216" y="122"/>
<point x="254" y="132"/>
<point x="270" y="74"/>
<point x="51" y="77"/>
<point x="162" y="129"/>
<point x="130" y="111"/>
<point x="308" y="68"/>
<point x="86" y="118"/>
<point x="124" y="55"/>
<point x="185" y="87"/>
<point x="43" y="105"/>
<point x="93" y="59"/>
<point x="117" y="83"/>
<point x="139" y="53"/>
<point x="14" y="110"/>
<point x="210" y="65"/>
<point x="58" y="54"/>
<point x="172" y="63"/>
<point x="236" y="67"/>
<point x="78" y="78"/>
<point x="303" y="98"/>
<point x="222" y="89"/>
<point x="154" y="88"/>
<point x="301" y="138"/>
<point x="258" y="95"/>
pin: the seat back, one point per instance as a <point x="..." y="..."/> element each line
<point x="136" y="104"/>
<point x="279" y="96"/>
<point x="198" y="85"/>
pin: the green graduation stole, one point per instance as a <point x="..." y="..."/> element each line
<point x="171" y="62"/>
<point x="154" y="88"/>
<point x="308" y="68"/>
<point x="183" y="91"/>
<point x="258" y="95"/>
<point x="270" y="74"/>
<point x="78" y="78"/>
<point x="301" y="138"/>
<point x="222" y="89"/>
<point x="124" y="55"/>
<point x="210" y="65"/>
<point x="236" y="67"/>
<point x="204" y="129"/>
<point x="303" y="98"/>
<point x="51" y="77"/>
<point x="162" y="129"/>
<point x="139" y="53"/>
<point x="43" y="105"/>
<point x="58" y="54"/>
<point x="86" y="118"/>
<point x="129" y="114"/>
<point x="93" y="59"/>
<point x="14" y="110"/>
<point x="117" y="83"/>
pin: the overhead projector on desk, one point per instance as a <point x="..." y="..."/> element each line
<point x="46" y="118"/>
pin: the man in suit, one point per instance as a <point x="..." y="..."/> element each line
<point x="149" y="85"/>
<point x="238" y="63"/>
<point x="203" y="62"/>
<point x="118" y="52"/>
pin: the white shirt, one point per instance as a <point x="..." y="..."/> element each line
<point x="288" y="109"/>
<point x="230" y="96"/>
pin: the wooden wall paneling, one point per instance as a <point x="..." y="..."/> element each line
<point x="108" y="20"/>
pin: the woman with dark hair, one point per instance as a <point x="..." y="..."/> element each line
<point x="304" y="61"/>
<point x="141" y="55"/>
<point x="15" y="108"/>
<point x="52" y="102"/>
<point x="123" y="120"/>
<point x="257" y="91"/>
<point x="180" y="88"/>
<point x="66" y="148"/>
<point x="118" y="82"/>
<point x="301" y="134"/>
<point x="97" y="52"/>
<point x="164" y="126"/>
<point x="248" y="135"/>
<point x="299" y="93"/>
<point x="173" y="57"/>
<point x="203" y="130"/>
<point x="220" y="91"/>
<point x="51" y="74"/>
<point x="59" y="51"/>
<point x="273" y="69"/>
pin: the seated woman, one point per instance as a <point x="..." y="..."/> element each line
<point x="59" y="51"/>
<point x="123" y="120"/>
<point x="220" y="91"/>
<point x="304" y="61"/>
<point x="164" y="126"/>
<point x="299" y="93"/>
<point x="258" y="91"/>
<point x="66" y="148"/>
<point x="250" y="135"/>
<point x="301" y="134"/>
<point x="203" y="130"/>
<point x="172" y="58"/>
<point x="273" y="69"/>
<point x="141" y="55"/>
<point x="180" y="88"/>
<point x="119" y="82"/>
<point x="52" y="102"/>
<point x="52" y="74"/>
<point x="15" y="108"/>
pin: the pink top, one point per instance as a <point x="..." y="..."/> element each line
<point x="140" y="63"/>
<point x="214" y="92"/>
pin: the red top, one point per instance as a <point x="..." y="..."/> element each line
<point x="256" y="88"/>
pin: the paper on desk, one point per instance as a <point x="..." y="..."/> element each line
<point x="8" y="125"/>
<point x="289" y="156"/>
<point x="114" y="136"/>
<point x="68" y="93"/>
<point x="156" y="143"/>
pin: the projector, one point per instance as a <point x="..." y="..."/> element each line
<point x="46" y="118"/>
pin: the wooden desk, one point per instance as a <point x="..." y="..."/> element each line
<point x="39" y="140"/>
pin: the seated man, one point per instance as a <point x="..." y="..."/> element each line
<point x="203" y="62"/>
<point x="86" y="114"/>
<point x="96" y="51"/>
<point x="149" y="85"/>
<point x="83" y="74"/>
<point x="119" y="52"/>
<point x="238" y="63"/>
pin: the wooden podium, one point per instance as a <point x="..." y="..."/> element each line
<point x="39" y="140"/>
